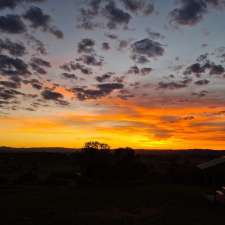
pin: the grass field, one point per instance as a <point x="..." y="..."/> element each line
<point x="156" y="204"/>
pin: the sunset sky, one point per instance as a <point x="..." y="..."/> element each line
<point x="141" y="73"/>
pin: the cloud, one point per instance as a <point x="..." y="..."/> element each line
<point x="13" y="48"/>
<point x="140" y="59"/>
<point x="136" y="6"/>
<point x="207" y="66"/>
<point x="196" y="69"/>
<point x="146" y="71"/>
<point x="191" y="12"/>
<point x="115" y="16"/>
<point x="106" y="46"/>
<point x="172" y="85"/>
<point x="36" y="84"/>
<point x="125" y="94"/>
<point x="104" y="77"/>
<point x="148" y="48"/>
<point x="86" y="45"/>
<point x="10" y="84"/>
<point x="39" y="65"/>
<point x="54" y="96"/>
<point x="11" y="4"/>
<point x="83" y="69"/>
<point x="12" y="24"/>
<point x="160" y="133"/>
<point x="8" y="94"/>
<point x="87" y="15"/>
<point x="170" y="119"/>
<point x="136" y="70"/>
<point x="13" y="66"/>
<point x="217" y="69"/>
<point x="36" y="44"/>
<point x="202" y="82"/>
<point x="69" y="76"/>
<point x="38" y="19"/>
<point x="111" y="36"/>
<point x="102" y="90"/>
<point x="133" y="70"/>
<point x="72" y="66"/>
<point x="91" y="60"/>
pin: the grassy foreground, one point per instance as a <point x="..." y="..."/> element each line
<point x="156" y="204"/>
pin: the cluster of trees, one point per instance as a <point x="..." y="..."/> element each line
<point x="95" y="146"/>
<point x="100" y="165"/>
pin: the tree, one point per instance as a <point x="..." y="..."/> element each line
<point x="96" y="146"/>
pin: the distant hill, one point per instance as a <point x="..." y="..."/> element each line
<point x="5" y="149"/>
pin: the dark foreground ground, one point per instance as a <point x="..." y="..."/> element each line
<point x="113" y="188"/>
<point x="155" y="204"/>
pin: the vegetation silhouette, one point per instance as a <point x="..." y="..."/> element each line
<point x="100" y="165"/>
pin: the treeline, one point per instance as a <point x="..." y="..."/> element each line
<point x="96" y="164"/>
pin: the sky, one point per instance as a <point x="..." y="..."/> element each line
<point x="149" y="74"/>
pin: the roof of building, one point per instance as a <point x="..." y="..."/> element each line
<point x="211" y="163"/>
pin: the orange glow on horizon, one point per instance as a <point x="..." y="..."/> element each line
<point x="134" y="126"/>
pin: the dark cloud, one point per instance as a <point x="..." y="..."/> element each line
<point x="38" y="19"/>
<point x="36" y="44"/>
<point x="202" y="82"/>
<point x="83" y="69"/>
<point x="142" y="71"/>
<point x="13" y="66"/>
<point x="133" y="70"/>
<point x="102" y="90"/>
<point x="111" y="36"/>
<point x="11" y="4"/>
<point x="86" y="45"/>
<point x="72" y="66"/>
<point x="54" y="96"/>
<point x="216" y="70"/>
<point x="106" y="46"/>
<point x="12" y="24"/>
<point x="115" y="16"/>
<point x="196" y="69"/>
<point x="36" y="84"/>
<point x="69" y="76"/>
<point x="146" y="71"/>
<point x="148" y="48"/>
<point x="173" y="85"/>
<point x="10" y="84"/>
<point x="39" y="65"/>
<point x="136" y="6"/>
<point x="88" y="14"/>
<point x="190" y="12"/>
<point x="13" y="48"/>
<point x="66" y="67"/>
<point x="109" y="87"/>
<point x="201" y="68"/>
<point x="91" y="60"/>
<point x="140" y="59"/>
<point x="51" y="95"/>
<point x="104" y="77"/>
<point x="8" y="94"/>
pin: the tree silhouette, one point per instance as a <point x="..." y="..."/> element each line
<point x="96" y="146"/>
